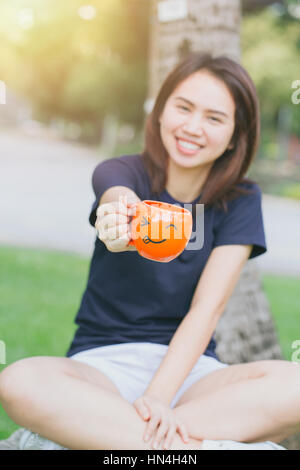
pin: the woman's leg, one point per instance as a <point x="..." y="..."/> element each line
<point x="65" y="402"/>
<point x="250" y="402"/>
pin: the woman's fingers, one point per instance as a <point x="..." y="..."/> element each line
<point x="110" y="220"/>
<point x="108" y="208"/>
<point x="120" y="244"/>
<point x="169" y="438"/>
<point x="165" y="434"/>
<point x="151" y="427"/>
<point x="116" y="207"/>
<point x="114" y="232"/>
<point x="112" y="227"/>
<point x="164" y="429"/>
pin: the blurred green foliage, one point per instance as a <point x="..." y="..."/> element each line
<point x="270" y="43"/>
<point x="292" y="190"/>
<point x="75" y="68"/>
<point x="271" y="54"/>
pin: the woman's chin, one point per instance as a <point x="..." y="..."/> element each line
<point x="189" y="162"/>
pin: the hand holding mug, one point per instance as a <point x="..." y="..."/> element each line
<point x="112" y="224"/>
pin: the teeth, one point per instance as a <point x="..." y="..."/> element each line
<point x="188" y="145"/>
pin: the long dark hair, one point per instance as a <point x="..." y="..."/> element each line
<point x="228" y="171"/>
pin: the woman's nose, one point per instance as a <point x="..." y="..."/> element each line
<point x="194" y="126"/>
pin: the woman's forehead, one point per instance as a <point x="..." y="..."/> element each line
<point x="204" y="90"/>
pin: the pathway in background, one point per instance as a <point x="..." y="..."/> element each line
<point x="282" y="227"/>
<point x="46" y="195"/>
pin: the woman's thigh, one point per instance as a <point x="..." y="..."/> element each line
<point x="39" y="367"/>
<point x="233" y="374"/>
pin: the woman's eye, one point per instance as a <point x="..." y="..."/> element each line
<point x="215" y="119"/>
<point x="184" y="108"/>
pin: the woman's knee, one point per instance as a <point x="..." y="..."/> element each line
<point x="19" y="379"/>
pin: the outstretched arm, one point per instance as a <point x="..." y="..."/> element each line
<point x="191" y="338"/>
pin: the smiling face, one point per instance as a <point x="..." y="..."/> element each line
<point x="197" y="122"/>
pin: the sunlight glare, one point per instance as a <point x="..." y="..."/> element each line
<point x="87" y="12"/>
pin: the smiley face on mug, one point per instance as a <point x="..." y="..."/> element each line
<point x="156" y="225"/>
<point x="160" y="231"/>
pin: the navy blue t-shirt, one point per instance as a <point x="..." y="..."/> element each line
<point x="129" y="298"/>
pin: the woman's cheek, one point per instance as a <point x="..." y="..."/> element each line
<point x="220" y="139"/>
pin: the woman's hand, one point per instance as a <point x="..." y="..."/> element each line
<point x="162" y="422"/>
<point x="113" y="224"/>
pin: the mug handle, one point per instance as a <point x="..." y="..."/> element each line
<point x="131" y="242"/>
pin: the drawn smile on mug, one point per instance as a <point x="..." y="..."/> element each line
<point x="147" y="239"/>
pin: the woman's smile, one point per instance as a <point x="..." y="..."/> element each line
<point x="186" y="147"/>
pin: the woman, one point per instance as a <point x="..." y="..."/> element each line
<point x="143" y="358"/>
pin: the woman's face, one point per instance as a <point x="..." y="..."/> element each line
<point x="197" y="123"/>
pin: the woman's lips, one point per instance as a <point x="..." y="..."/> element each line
<point x="187" y="148"/>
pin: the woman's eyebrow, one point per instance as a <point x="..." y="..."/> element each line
<point x="216" y="111"/>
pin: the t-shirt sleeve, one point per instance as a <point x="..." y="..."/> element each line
<point x="113" y="172"/>
<point x="243" y="223"/>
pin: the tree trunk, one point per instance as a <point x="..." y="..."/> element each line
<point x="246" y="330"/>
<point x="211" y="25"/>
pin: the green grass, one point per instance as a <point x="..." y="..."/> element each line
<point x="284" y="298"/>
<point x="40" y="292"/>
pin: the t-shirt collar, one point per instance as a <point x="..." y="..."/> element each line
<point x="175" y="201"/>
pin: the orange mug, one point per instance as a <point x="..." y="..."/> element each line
<point x="160" y="231"/>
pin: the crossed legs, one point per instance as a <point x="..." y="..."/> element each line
<point x="73" y="405"/>
<point x="248" y="402"/>
<point x="251" y="402"/>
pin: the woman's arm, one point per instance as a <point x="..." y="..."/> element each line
<point x="114" y="193"/>
<point x="216" y="284"/>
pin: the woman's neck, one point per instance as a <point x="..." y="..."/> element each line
<point x="185" y="184"/>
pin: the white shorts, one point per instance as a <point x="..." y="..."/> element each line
<point x="131" y="366"/>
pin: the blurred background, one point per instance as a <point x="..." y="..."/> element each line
<point x="74" y="90"/>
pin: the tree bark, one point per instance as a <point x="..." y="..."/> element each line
<point x="211" y="25"/>
<point x="246" y="330"/>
